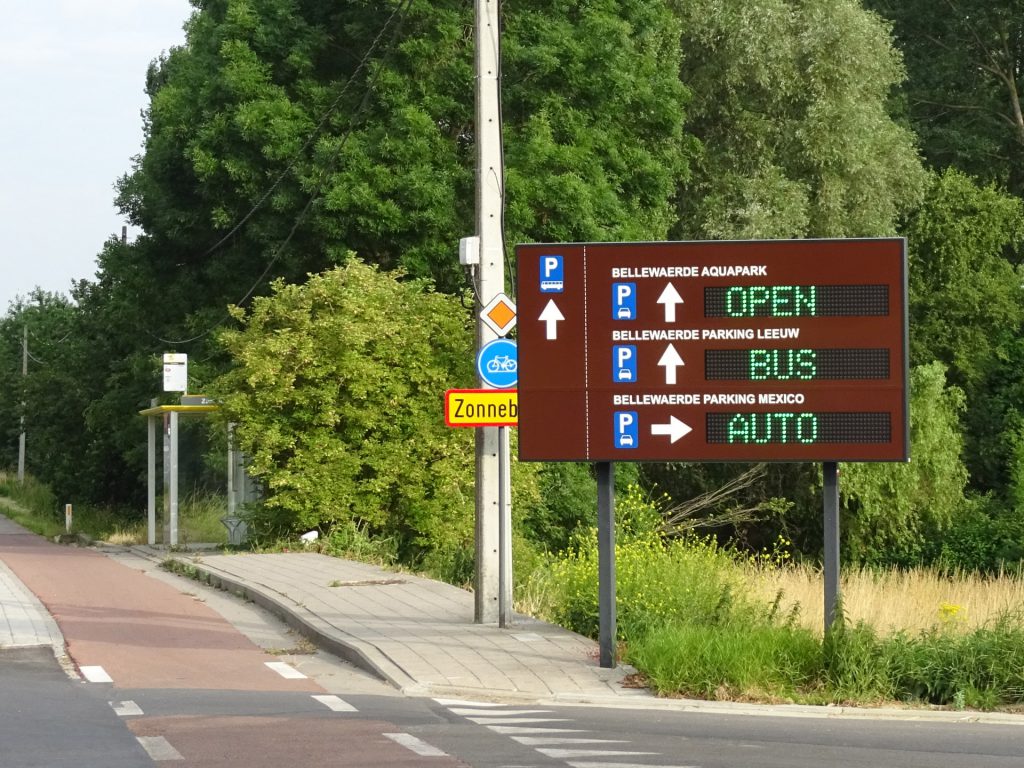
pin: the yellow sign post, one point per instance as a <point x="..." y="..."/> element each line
<point x="481" y="407"/>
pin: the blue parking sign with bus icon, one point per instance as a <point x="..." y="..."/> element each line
<point x="623" y="301"/>
<point x="497" y="364"/>
<point x="624" y="363"/>
<point x="627" y="429"/>
<point x="552" y="274"/>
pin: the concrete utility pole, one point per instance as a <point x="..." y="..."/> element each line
<point x="21" y="437"/>
<point x="491" y="281"/>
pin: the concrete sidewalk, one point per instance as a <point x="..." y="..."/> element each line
<point x="24" y="621"/>
<point x="415" y="633"/>
<point x="419" y="635"/>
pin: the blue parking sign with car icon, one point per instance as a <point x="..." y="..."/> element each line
<point x="624" y="363"/>
<point x="627" y="429"/>
<point x="623" y="301"/>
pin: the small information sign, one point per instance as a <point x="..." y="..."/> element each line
<point x="481" y="408"/>
<point x="175" y="372"/>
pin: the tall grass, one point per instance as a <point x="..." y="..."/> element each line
<point x="34" y="506"/>
<point x="733" y="661"/>
<point x="697" y="620"/>
<point x="891" y="600"/>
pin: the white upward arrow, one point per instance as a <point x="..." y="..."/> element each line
<point x="670" y="297"/>
<point x="671" y="360"/>
<point x="674" y="429"/>
<point x="551" y="316"/>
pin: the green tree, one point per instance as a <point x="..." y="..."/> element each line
<point x="50" y="397"/>
<point x="354" y="120"/>
<point x="285" y="133"/>
<point x="790" y="103"/>
<point x="965" y="60"/>
<point x="967" y="310"/>
<point x="894" y="509"/>
<point x="337" y="389"/>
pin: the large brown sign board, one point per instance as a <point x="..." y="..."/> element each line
<point x="783" y="350"/>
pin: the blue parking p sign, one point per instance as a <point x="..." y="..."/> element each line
<point x="623" y="301"/>
<point x="497" y="364"/>
<point x="552" y="273"/>
<point x="624" y="363"/>
<point x="627" y="429"/>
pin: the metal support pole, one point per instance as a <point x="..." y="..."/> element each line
<point x="606" y="562"/>
<point x="504" y="535"/>
<point x="174" y="479"/>
<point x="165" y="522"/>
<point x="21" y="436"/>
<point x="151" y="480"/>
<point x="830" y="473"/>
<point x="490" y="282"/>
<point x="232" y="502"/>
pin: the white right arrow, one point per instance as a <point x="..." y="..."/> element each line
<point x="674" y="429"/>
<point x="670" y="297"/>
<point x="551" y="316"/>
<point x="670" y="360"/>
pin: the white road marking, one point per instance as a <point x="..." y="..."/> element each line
<point x="464" y="703"/>
<point x="509" y="730"/>
<point x="158" y="748"/>
<point x="626" y="765"/>
<point x="126" y="708"/>
<point x="413" y="744"/>
<point x="335" y="704"/>
<point x="550" y="741"/>
<point x="563" y="754"/>
<point x="96" y="674"/>
<point x="515" y="720"/>
<point x="505" y="713"/>
<point x="286" y="671"/>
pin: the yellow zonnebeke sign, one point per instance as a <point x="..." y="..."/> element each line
<point x="481" y="408"/>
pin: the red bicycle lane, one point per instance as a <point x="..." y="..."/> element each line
<point x="142" y="632"/>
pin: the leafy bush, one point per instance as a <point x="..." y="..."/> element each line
<point x="337" y="391"/>
<point x="657" y="581"/>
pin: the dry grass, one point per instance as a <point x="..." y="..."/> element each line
<point x="128" y="536"/>
<point x="893" y="600"/>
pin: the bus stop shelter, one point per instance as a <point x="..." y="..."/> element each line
<point x="170" y="415"/>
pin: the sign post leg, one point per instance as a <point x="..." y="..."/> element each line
<point x="151" y="481"/>
<point x="504" y="533"/>
<point x="830" y="473"/>
<point x="174" y="479"/>
<point x="606" y="561"/>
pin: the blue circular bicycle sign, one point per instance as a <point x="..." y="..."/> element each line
<point x="497" y="364"/>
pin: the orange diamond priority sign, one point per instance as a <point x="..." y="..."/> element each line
<point x="499" y="314"/>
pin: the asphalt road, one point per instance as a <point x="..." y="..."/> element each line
<point x="48" y="719"/>
<point x="188" y="676"/>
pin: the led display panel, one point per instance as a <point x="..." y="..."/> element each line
<point x="782" y="350"/>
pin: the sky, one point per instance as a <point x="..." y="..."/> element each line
<point x="72" y="80"/>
